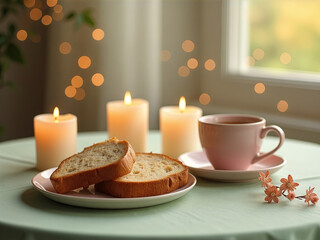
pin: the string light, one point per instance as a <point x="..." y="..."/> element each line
<point x="70" y="91"/>
<point x="251" y="61"/>
<point x="22" y="35"/>
<point x="210" y="65"/>
<point x="188" y="46"/>
<point x="29" y="3"/>
<point x="258" y="54"/>
<point x="77" y="81"/>
<point x="65" y="48"/>
<point x="282" y="106"/>
<point x="192" y="63"/>
<point x="80" y="95"/>
<point x="35" y="14"/>
<point x="84" y="62"/>
<point x="183" y="71"/>
<point x="259" y="88"/>
<point x="58" y="8"/>
<point x="165" y="55"/>
<point x="98" y="34"/>
<point x="97" y="79"/>
<point x="46" y="20"/>
<point x="204" y="99"/>
<point x="52" y="3"/>
<point x="285" y="58"/>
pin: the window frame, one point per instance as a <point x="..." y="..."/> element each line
<point x="235" y="47"/>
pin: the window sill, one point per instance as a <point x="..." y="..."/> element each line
<point x="294" y="79"/>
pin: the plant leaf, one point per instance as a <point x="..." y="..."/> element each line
<point x="14" y="53"/>
<point x="78" y="21"/>
<point x="70" y="16"/>
<point x="88" y="19"/>
<point x="81" y="18"/>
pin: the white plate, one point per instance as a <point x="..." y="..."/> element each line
<point x="91" y="199"/>
<point x="200" y="166"/>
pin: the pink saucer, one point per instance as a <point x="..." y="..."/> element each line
<point x="200" y="166"/>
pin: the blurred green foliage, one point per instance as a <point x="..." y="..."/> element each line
<point x="10" y="51"/>
<point x="291" y="26"/>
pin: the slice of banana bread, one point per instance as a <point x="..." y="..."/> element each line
<point x="152" y="174"/>
<point x="100" y="162"/>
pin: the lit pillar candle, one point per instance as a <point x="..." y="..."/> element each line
<point x="56" y="138"/>
<point x="129" y="120"/>
<point x="179" y="129"/>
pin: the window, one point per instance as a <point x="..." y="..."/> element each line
<point x="275" y="40"/>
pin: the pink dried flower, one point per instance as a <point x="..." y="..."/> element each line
<point x="311" y="196"/>
<point x="288" y="184"/>
<point x="265" y="179"/>
<point x="291" y="195"/>
<point x="272" y="194"/>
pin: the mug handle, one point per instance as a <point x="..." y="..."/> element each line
<point x="263" y="133"/>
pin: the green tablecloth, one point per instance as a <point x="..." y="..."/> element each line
<point x="211" y="210"/>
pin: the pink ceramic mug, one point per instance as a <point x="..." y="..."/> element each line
<point x="233" y="141"/>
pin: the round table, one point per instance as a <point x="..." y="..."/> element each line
<point x="211" y="210"/>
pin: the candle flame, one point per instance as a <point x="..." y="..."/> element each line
<point x="127" y="98"/>
<point x="182" y="104"/>
<point x="56" y="114"/>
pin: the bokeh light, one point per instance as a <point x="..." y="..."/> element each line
<point x="282" y="106"/>
<point x="58" y="8"/>
<point x="84" y="62"/>
<point x="258" y="54"/>
<point x="29" y="3"/>
<point x="22" y="35"/>
<point x="285" y="58"/>
<point x="250" y="61"/>
<point x="192" y="63"/>
<point x="70" y="91"/>
<point x="188" y="46"/>
<point x="165" y="55"/>
<point x="259" y="88"/>
<point x="183" y="71"/>
<point x="98" y="34"/>
<point x="77" y="81"/>
<point x="65" y="48"/>
<point x="35" y="14"/>
<point x="52" y="3"/>
<point x="80" y="94"/>
<point x="210" y="65"/>
<point x="204" y="99"/>
<point x="46" y="20"/>
<point x="97" y="79"/>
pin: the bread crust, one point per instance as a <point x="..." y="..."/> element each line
<point x="124" y="189"/>
<point x="114" y="170"/>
